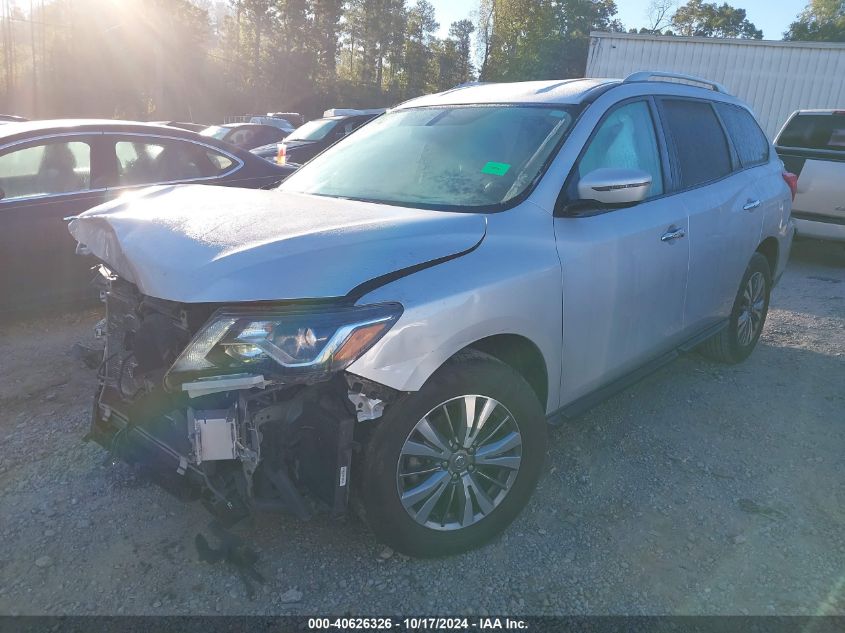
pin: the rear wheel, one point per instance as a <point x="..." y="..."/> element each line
<point x="736" y="342"/>
<point x="450" y="466"/>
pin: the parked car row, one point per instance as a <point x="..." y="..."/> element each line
<point x="315" y="136"/>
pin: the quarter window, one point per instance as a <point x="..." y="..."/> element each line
<point x="148" y="162"/>
<point x="46" y="169"/>
<point x="748" y="139"/>
<point x="625" y="139"/>
<point x="697" y="141"/>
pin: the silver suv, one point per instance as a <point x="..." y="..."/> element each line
<point x="396" y="326"/>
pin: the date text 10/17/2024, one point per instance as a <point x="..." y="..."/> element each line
<point x="416" y="624"/>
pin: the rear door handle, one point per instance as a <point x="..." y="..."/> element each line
<point x="674" y="233"/>
<point x="751" y="205"/>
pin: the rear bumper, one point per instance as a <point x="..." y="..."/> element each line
<point x="819" y="227"/>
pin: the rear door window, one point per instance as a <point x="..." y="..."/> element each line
<point x="147" y="162"/>
<point x="815" y="131"/>
<point x="51" y="168"/>
<point x="748" y="139"/>
<point x="696" y="142"/>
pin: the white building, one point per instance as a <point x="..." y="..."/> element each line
<point x="775" y="78"/>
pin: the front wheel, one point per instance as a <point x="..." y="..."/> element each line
<point x="736" y="342"/>
<point x="451" y="466"/>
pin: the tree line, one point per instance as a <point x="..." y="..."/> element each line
<point x="204" y="59"/>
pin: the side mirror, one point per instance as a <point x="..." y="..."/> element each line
<point x="613" y="186"/>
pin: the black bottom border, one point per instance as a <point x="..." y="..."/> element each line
<point x="295" y="623"/>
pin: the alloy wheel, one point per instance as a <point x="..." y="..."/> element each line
<point x="459" y="462"/>
<point x="752" y="309"/>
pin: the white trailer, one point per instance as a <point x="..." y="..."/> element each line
<point x="775" y="78"/>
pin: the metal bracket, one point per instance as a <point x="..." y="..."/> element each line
<point x="366" y="408"/>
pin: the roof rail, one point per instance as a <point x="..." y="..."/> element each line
<point x="647" y="75"/>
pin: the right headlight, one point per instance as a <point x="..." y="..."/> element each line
<point x="297" y="345"/>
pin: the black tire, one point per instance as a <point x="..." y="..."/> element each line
<point x="467" y="373"/>
<point x="727" y="346"/>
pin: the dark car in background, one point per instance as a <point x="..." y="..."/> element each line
<point x="11" y="118"/>
<point x="246" y="135"/>
<point x="312" y="138"/>
<point x="184" y="125"/>
<point x="274" y="121"/>
<point x="50" y="170"/>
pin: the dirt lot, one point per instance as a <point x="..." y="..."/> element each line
<point x="704" y="489"/>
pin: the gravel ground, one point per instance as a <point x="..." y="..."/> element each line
<point x="705" y="489"/>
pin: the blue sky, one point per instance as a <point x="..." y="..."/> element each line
<point x="773" y="16"/>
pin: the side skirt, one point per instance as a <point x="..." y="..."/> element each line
<point x="588" y="401"/>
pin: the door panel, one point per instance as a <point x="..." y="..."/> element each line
<point x="46" y="181"/>
<point x="38" y="261"/>
<point x="623" y="291"/>
<point x="624" y="270"/>
<point x="723" y="236"/>
<point x="724" y="206"/>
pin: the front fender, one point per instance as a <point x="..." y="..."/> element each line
<point x="511" y="284"/>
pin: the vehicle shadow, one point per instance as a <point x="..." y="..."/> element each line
<point x="818" y="252"/>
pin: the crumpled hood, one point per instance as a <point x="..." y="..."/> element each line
<point x="198" y="243"/>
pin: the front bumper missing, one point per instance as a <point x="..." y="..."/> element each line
<point x="308" y="450"/>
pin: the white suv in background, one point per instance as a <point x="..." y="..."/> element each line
<point x="812" y="146"/>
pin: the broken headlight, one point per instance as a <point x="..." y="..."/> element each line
<point x="298" y="345"/>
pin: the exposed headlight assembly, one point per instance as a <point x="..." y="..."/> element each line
<point x="296" y="345"/>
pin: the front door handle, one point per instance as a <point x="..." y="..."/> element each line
<point x="674" y="233"/>
<point x="751" y="205"/>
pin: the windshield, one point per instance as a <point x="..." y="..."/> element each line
<point x="314" y="130"/>
<point x="216" y="131"/>
<point x="454" y="157"/>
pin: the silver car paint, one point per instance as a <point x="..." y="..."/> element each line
<point x="583" y="325"/>
<point x="278" y="246"/>
<point x="596" y="296"/>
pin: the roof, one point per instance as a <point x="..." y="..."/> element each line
<point x="680" y="39"/>
<point x="244" y="123"/>
<point x="821" y="111"/>
<point x="566" y="91"/>
<point x="28" y="128"/>
<point x="348" y="112"/>
<point x="13" y="133"/>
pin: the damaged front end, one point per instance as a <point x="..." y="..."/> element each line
<point x="245" y="408"/>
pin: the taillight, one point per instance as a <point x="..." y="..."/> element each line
<point x="280" y="154"/>
<point x="791" y="180"/>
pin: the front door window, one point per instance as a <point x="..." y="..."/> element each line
<point x="56" y="167"/>
<point x="625" y="139"/>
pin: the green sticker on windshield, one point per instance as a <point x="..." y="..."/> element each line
<point x="497" y="169"/>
